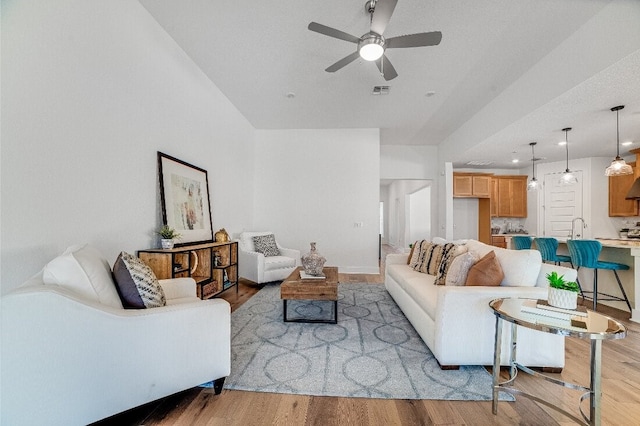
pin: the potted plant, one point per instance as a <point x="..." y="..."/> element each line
<point x="168" y="235"/>
<point x="562" y="294"/>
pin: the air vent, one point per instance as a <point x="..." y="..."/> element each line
<point x="478" y="163"/>
<point x="380" y="90"/>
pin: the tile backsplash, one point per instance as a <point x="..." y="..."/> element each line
<point x="507" y="225"/>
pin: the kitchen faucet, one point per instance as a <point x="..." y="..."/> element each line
<point x="573" y="224"/>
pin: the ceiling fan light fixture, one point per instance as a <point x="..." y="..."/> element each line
<point x="618" y="166"/>
<point x="371" y="48"/>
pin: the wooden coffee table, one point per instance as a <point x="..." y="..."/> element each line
<point x="295" y="288"/>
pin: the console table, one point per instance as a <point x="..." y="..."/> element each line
<point x="598" y="328"/>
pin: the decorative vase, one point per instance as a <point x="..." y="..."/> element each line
<point x="313" y="261"/>
<point x="222" y="236"/>
<point x="563" y="298"/>
<point x="167" y="243"/>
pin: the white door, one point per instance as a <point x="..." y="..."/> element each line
<point x="562" y="204"/>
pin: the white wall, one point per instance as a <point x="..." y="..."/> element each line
<point x="315" y="185"/>
<point x="90" y="91"/>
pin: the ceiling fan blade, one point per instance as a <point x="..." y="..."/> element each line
<point x="343" y="62"/>
<point x="332" y="32"/>
<point x="382" y="14"/>
<point x="385" y="67"/>
<point x="414" y="40"/>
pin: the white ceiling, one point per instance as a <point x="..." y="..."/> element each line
<point x="506" y="73"/>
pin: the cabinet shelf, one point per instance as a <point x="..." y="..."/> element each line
<point x="202" y="262"/>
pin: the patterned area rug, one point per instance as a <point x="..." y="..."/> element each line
<point x="372" y="352"/>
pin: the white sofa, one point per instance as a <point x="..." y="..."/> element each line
<point x="72" y="359"/>
<point x="261" y="269"/>
<point x="457" y="323"/>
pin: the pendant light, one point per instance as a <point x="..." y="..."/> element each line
<point x="567" y="178"/>
<point x="533" y="184"/>
<point x="618" y="166"/>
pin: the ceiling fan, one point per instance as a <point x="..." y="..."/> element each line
<point x="372" y="45"/>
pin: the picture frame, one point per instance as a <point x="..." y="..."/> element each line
<point x="184" y="194"/>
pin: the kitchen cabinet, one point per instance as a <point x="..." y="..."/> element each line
<point x="512" y="196"/>
<point x="473" y="185"/>
<point x="498" y="241"/>
<point x="618" y="188"/>
<point x="494" y="197"/>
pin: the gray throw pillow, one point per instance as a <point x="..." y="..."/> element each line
<point x="266" y="244"/>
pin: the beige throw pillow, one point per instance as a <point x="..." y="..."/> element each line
<point x="457" y="273"/>
<point x="486" y="272"/>
<point x="415" y="252"/>
<point x="449" y="253"/>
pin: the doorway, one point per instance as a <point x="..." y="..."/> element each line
<point x="407" y="211"/>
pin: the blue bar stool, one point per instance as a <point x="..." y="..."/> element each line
<point x="548" y="248"/>
<point x="521" y="242"/>
<point x="585" y="253"/>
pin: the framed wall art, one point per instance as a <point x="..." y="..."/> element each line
<point x="184" y="192"/>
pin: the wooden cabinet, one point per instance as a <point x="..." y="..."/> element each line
<point x="498" y="241"/>
<point x="494" y="197"/>
<point x="511" y="196"/>
<point x="618" y="188"/>
<point x="473" y="185"/>
<point x="214" y="266"/>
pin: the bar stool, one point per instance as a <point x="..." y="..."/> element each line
<point x="585" y="253"/>
<point x="548" y="248"/>
<point x="521" y="242"/>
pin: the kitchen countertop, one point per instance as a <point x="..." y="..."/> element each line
<point x="613" y="242"/>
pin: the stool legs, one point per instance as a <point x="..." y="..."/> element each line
<point x="626" y="299"/>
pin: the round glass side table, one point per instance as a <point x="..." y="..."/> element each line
<point x="593" y="326"/>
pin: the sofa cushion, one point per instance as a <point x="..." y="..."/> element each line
<point x="450" y="252"/>
<point x="485" y="272"/>
<point x="457" y="273"/>
<point x="520" y="267"/>
<point x="278" y="262"/>
<point x="415" y="252"/>
<point x="266" y="244"/>
<point x="83" y="270"/>
<point x="137" y="284"/>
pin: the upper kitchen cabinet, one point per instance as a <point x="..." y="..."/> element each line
<point x="511" y="199"/>
<point x="618" y="188"/>
<point x="474" y="185"/>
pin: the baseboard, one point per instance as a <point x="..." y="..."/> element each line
<point x="359" y="270"/>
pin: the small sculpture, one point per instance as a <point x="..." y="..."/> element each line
<point x="313" y="261"/>
<point x="222" y="236"/>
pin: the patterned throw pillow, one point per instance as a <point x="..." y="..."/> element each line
<point x="266" y="244"/>
<point x="450" y="252"/>
<point x="459" y="268"/>
<point x="415" y="252"/>
<point x="429" y="258"/>
<point x="137" y="285"/>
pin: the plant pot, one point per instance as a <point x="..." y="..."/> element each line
<point x="167" y="243"/>
<point x="563" y="298"/>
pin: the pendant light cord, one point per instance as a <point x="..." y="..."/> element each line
<point x="617" y="134"/>
<point x="566" y="146"/>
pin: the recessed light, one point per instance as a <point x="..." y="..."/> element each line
<point x="627" y="143"/>
<point x="430" y="93"/>
<point x="562" y="143"/>
<point x="515" y="160"/>
<point x="291" y="95"/>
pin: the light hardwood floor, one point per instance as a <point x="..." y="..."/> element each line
<point x="620" y="400"/>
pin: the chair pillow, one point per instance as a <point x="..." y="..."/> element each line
<point x="486" y="272"/>
<point x="266" y="244"/>
<point x="83" y="270"/>
<point x="137" y="285"/>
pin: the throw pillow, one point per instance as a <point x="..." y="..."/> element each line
<point x="449" y="253"/>
<point x="459" y="268"/>
<point x="83" y="270"/>
<point x="137" y="284"/>
<point x="486" y="272"/>
<point x="415" y="252"/>
<point x="266" y="244"/>
<point x="429" y="258"/>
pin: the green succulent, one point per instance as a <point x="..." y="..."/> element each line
<point x="168" y="233"/>
<point x="557" y="281"/>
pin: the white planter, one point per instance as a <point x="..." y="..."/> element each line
<point x="563" y="298"/>
<point x="167" y="244"/>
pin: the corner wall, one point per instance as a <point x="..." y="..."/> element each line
<point x="91" y="90"/>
